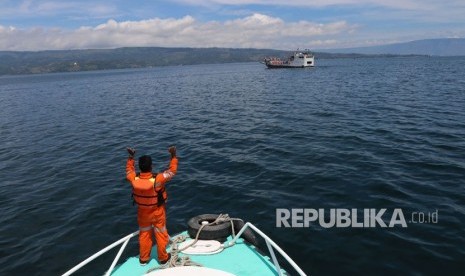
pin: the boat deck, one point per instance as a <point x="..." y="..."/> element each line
<point x="239" y="259"/>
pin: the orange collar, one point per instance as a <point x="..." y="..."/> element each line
<point x="145" y="175"/>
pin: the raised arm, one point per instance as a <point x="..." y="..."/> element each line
<point x="130" y="170"/>
<point x="172" y="169"/>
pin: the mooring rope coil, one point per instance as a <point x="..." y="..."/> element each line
<point x="176" y="260"/>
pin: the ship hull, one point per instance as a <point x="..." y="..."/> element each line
<point x="272" y="66"/>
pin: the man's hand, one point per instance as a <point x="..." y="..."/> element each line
<point x="172" y="151"/>
<point x="131" y="151"/>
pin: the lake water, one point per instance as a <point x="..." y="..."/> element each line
<point x="350" y="133"/>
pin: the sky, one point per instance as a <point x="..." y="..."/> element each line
<point x="33" y="25"/>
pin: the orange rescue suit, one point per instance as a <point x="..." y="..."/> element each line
<point x="150" y="195"/>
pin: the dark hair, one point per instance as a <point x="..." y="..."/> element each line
<point x="145" y="163"/>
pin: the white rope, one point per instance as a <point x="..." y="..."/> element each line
<point x="176" y="260"/>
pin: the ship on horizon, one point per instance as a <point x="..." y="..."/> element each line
<point x="299" y="59"/>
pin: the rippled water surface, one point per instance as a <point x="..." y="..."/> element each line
<point x="350" y="133"/>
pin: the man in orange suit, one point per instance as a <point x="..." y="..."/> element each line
<point x="150" y="196"/>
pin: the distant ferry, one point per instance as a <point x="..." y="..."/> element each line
<point x="300" y="59"/>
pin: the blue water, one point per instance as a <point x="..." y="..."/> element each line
<point x="349" y="133"/>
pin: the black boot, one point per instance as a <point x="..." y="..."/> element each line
<point x="164" y="262"/>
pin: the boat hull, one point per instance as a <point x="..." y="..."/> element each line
<point x="234" y="257"/>
<point x="240" y="259"/>
<point x="272" y="66"/>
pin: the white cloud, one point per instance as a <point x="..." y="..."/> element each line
<point x="257" y="31"/>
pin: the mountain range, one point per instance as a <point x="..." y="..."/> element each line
<point x="12" y="62"/>
<point x="431" y="47"/>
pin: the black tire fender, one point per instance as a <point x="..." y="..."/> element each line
<point x="247" y="235"/>
<point x="219" y="232"/>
